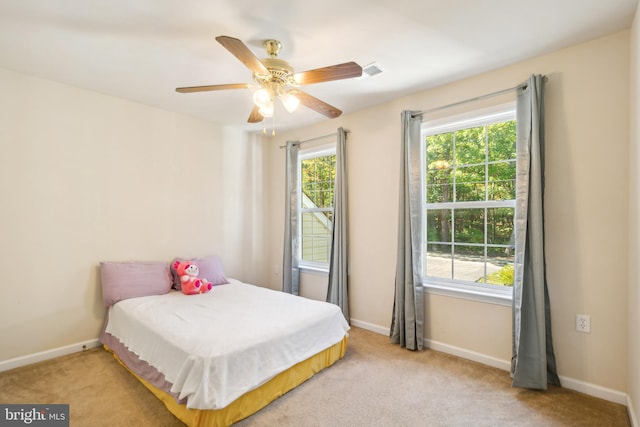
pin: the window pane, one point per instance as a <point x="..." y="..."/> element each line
<point x="502" y="181"/>
<point x="438" y="261"/>
<point x="470" y="146"/>
<point x="317" y="181"/>
<point x="502" y="141"/>
<point x="470" y="183"/>
<point x="500" y="226"/>
<point x="316" y="236"/>
<point x="468" y="263"/>
<point x="500" y="266"/>
<point x="315" y="248"/>
<point x="324" y="195"/>
<point x="328" y="221"/>
<point x="440" y="151"/>
<point x="439" y="188"/>
<point x="469" y="226"/>
<point x="439" y="225"/>
<point x="439" y="161"/>
<point x="307" y="189"/>
<point x="316" y="223"/>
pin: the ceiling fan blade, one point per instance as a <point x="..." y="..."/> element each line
<point x="255" y="116"/>
<point x="316" y="104"/>
<point x="347" y="70"/>
<point x="213" y="87"/>
<point x="242" y="52"/>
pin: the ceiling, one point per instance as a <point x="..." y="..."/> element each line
<point x="142" y="50"/>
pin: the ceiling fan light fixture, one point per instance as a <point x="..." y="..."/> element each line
<point x="266" y="110"/>
<point x="289" y="101"/>
<point x="262" y="97"/>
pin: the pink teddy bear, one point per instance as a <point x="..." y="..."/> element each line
<point x="189" y="280"/>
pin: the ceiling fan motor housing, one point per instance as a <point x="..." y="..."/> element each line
<point x="279" y="70"/>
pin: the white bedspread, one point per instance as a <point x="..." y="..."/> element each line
<point x="214" y="347"/>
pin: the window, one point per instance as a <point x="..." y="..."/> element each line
<point x="317" y="176"/>
<point x="469" y="177"/>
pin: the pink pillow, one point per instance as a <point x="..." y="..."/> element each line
<point x="123" y="280"/>
<point x="210" y="268"/>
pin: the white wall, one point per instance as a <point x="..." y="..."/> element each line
<point x="634" y="225"/>
<point x="586" y="211"/>
<point x="86" y="177"/>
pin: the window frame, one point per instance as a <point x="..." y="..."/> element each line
<point x="320" y="150"/>
<point x="501" y="295"/>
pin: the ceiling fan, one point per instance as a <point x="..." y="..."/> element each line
<point x="275" y="78"/>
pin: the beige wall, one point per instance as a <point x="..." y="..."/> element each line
<point x="634" y="224"/>
<point x="586" y="210"/>
<point x="86" y="177"/>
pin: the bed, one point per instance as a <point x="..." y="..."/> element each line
<point x="218" y="357"/>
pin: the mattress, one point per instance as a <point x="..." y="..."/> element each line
<point x="250" y="402"/>
<point x="212" y="348"/>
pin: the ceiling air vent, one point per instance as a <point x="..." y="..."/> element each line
<point x="371" y="70"/>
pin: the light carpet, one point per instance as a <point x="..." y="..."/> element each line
<point x="375" y="384"/>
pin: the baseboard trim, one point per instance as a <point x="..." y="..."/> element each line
<point x="17" y="362"/>
<point x="567" y="382"/>
<point x="370" y="327"/>
<point x="505" y="365"/>
<point x="631" y="412"/>
<point x="494" y="362"/>
<point x="594" y="390"/>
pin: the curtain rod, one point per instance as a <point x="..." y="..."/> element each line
<point x="317" y="138"/>
<point x="477" y="98"/>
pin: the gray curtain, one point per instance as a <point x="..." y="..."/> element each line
<point x="290" y="269"/>
<point x="408" y="306"/>
<point x="338" y="290"/>
<point x="533" y="362"/>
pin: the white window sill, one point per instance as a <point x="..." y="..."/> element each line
<point x="501" y="296"/>
<point x="319" y="271"/>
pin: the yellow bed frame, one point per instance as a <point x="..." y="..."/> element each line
<point x="252" y="401"/>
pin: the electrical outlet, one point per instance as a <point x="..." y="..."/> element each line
<point x="583" y="323"/>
